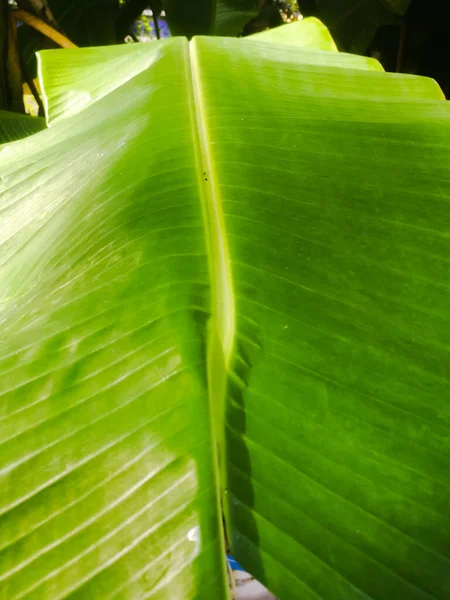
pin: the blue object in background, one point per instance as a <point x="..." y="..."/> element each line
<point x="143" y="28"/>
<point x="234" y="566"/>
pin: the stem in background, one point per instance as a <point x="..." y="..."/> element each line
<point x="4" y="96"/>
<point x="41" y="9"/>
<point x="13" y="68"/>
<point x="155" y="19"/>
<point x="42" y="27"/>
<point x="32" y="87"/>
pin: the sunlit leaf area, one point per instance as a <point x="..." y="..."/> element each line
<point x="224" y="300"/>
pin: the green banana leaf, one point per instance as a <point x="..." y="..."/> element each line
<point x="14" y="126"/>
<point x="205" y="17"/>
<point x="353" y="23"/>
<point x="232" y="15"/>
<point x="308" y="33"/>
<point x="190" y="18"/>
<point x="224" y="281"/>
<point x="84" y="22"/>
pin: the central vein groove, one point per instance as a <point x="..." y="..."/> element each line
<point x="222" y="323"/>
<point x="222" y="286"/>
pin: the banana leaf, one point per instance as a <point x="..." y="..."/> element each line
<point x="353" y="23"/>
<point x="14" y="126"/>
<point x="307" y="33"/>
<point x="224" y="290"/>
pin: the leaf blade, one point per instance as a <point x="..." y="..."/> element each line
<point x="15" y="127"/>
<point x="337" y="418"/>
<point x="330" y="421"/>
<point x="106" y="444"/>
<point x="307" y="33"/>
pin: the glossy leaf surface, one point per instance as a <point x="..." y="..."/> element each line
<point x="107" y="465"/>
<point x="240" y="214"/>
<point x="306" y="33"/>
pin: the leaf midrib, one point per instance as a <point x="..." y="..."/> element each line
<point x="223" y="309"/>
<point x="222" y="324"/>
